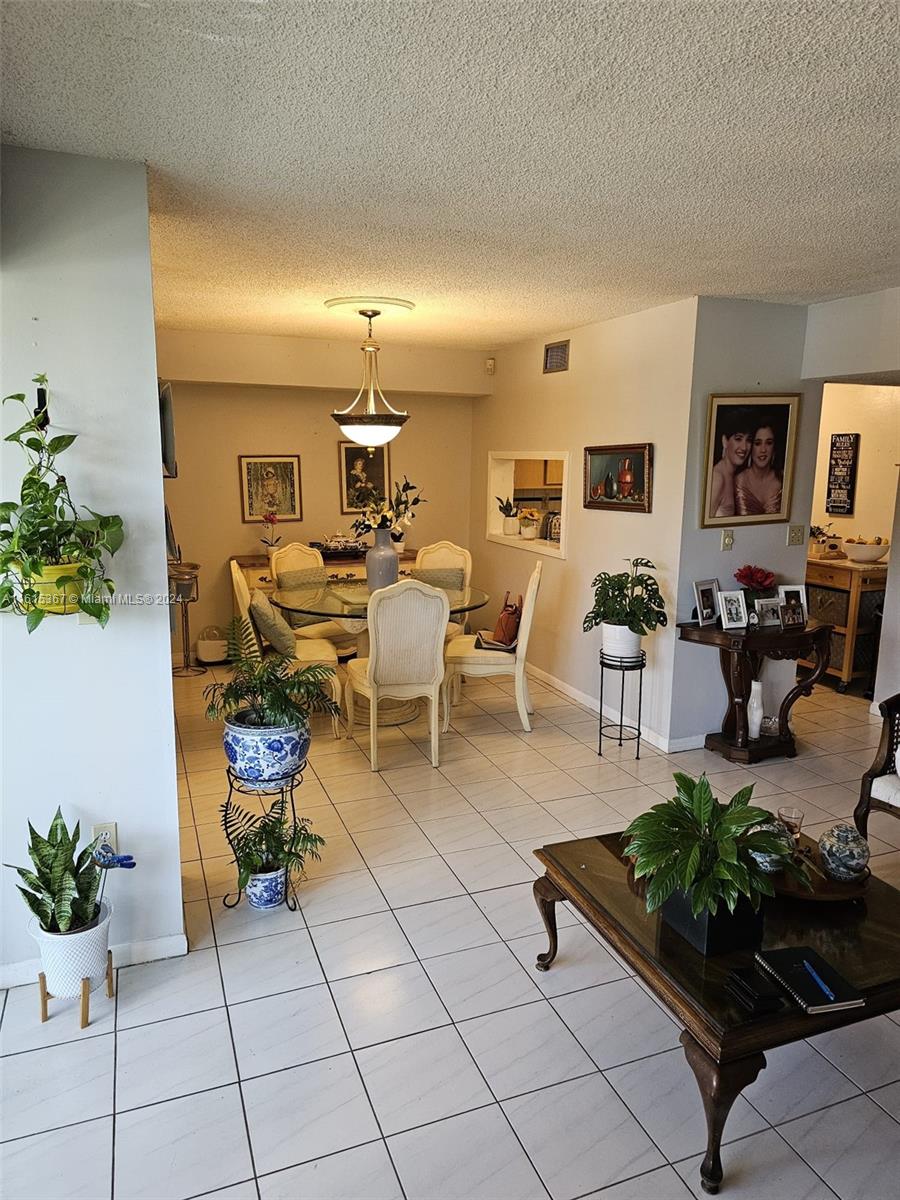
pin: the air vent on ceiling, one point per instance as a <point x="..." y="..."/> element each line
<point x="556" y="357"/>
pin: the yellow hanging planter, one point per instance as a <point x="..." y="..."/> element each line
<point x="54" y="599"/>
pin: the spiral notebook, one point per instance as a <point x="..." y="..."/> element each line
<point x="808" y="979"/>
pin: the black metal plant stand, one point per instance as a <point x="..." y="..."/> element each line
<point x="618" y="729"/>
<point x="275" y="791"/>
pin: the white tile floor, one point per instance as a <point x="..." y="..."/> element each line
<point x="392" y="1039"/>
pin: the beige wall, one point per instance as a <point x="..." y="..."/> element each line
<point x="629" y="381"/>
<point x="873" y="413"/>
<point x="214" y="423"/>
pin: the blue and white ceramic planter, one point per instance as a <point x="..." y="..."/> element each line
<point x="261" y="755"/>
<point x="267" y="891"/>
<point x="772" y="863"/>
<point x="844" y="853"/>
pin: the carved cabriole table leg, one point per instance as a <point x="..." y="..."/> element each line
<point x="821" y="651"/>
<point x="547" y="895"/>
<point x="720" y="1085"/>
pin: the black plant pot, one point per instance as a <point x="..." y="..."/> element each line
<point x="717" y="934"/>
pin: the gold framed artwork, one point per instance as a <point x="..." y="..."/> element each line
<point x="750" y="441"/>
<point x="362" y="474"/>
<point x="619" y="478"/>
<point x="270" y="483"/>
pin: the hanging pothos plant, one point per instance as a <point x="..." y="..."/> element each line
<point x="51" y="558"/>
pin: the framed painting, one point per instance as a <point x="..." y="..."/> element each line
<point x="362" y="474"/>
<point x="749" y="463"/>
<point x="270" y="483"/>
<point x="619" y="478"/>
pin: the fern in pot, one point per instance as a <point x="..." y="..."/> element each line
<point x="269" y="850"/>
<point x="266" y="705"/>
<point x="709" y="864"/>
<point x="627" y="605"/>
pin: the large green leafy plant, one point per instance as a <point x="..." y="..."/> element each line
<point x="62" y="889"/>
<point x="630" y="598"/>
<point x="268" y="843"/>
<point x="267" y="691"/>
<point x="44" y="529"/>
<point x="705" y="848"/>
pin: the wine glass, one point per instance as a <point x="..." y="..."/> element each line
<point x="792" y="819"/>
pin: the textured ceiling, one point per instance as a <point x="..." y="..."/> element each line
<point x="512" y="167"/>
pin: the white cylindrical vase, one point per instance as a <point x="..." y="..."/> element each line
<point x="754" y="710"/>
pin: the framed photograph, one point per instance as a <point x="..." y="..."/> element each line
<point x="362" y="474"/>
<point x="270" y="483"/>
<point x="792" y="616"/>
<point x="793" y="594"/>
<point x="619" y="478"/>
<point x="749" y="459"/>
<point x="706" y="592"/>
<point x="733" y="609"/>
<point x="768" y="611"/>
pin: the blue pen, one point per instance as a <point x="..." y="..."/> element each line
<point x="821" y="982"/>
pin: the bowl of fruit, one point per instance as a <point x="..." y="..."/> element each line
<point x="866" y="550"/>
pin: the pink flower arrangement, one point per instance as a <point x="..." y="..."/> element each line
<point x="756" y="579"/>
<point x="270" y="520"/>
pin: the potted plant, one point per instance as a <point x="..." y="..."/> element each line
<point x="388" y="520"/>
<point x="529" y="519"/>
<point x="700" y="859"/>
<point x="268" y="850"/>
<point x="626" y="606"/>
<point x="71" y="918"/>
<point x="266" y="705"/>
<point x="509" y="512"/>
<point x="51" y="559"/>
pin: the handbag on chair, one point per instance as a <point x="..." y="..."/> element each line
<point x="506" y="631"/>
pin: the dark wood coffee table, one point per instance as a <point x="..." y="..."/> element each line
<point x="723" y="1044"/>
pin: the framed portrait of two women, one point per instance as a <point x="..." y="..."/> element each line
<point x="749" y="459"/>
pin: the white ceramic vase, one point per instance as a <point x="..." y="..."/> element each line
<point x="619" y="641"/>
<point x="510" y="527"/>
<point x="529" y="532"/>
<point x="754" y="710"/>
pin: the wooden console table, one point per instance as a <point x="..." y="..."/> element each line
<point x="741" y="652"/>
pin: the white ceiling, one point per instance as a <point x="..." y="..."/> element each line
<point x="513" y="166"/>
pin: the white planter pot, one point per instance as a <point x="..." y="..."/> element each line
<point x="510" y="527"/>
<point x="619" y="641"/>
<point x="67" y="958"/>
<point x="267" y="891"/>
<point x="529" y="532"/>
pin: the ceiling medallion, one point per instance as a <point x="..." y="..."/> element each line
<point x="369" y="427"/>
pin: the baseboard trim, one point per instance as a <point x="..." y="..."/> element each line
<point x="125" y="954"/>
<point x="647" y="735"/>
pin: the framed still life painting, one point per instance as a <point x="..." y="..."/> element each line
<point x="619" y="478"/>
<point x="749" y="463"/>
<point x="362" y="475"/>
<point x="270" y="483"/>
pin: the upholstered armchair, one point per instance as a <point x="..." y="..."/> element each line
<point x="880" y="787"/>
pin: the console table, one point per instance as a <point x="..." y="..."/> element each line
<point x="741" y="652"/>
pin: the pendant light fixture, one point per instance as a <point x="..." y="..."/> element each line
<point x="369" y="427"/>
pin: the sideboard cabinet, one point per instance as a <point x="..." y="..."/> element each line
<point x="846" y="595"/>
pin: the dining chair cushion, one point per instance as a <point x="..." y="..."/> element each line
<point x="440" y="577"/>
<point x="270" y="624"/>
<point x="886" y="789"/>
<point x="303" y="577"/>
<point x="463" y="649"/>
<point x="358" y="670"/>
<point x="315" y="650"/>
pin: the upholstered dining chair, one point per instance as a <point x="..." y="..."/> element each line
<point x="269" y="626"/>
<point x="444" y="564"/>
<point x="406" y="655"/>
<point x="463" y="658"/>
<point x="299" y="565"/>
<point x="880" y="787"/>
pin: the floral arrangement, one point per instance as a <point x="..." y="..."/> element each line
<point x="396" y="514"/>
<point x="755" y="579"/>
<point x="529" y="516"/>
<point x="270" y="520"/>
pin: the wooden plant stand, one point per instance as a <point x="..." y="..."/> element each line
<point x="85" y="993"/>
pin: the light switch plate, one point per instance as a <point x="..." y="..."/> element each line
<point x="727" y="539"/>
<point x="796" y="535"/>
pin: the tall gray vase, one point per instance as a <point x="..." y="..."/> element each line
<point x="382" y="563"/>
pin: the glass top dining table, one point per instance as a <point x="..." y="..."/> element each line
<point x="348" y="599"/>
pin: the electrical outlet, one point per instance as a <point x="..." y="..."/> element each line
<point x="727" y="539"/>
<point x="106" y="831"/>
<point x="796" y="535"/>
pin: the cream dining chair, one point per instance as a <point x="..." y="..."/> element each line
<point x="298" y="565"/>
<point x="439" y="565"/>
<point x="406" y="654"/>
<point x="463" y="658"/>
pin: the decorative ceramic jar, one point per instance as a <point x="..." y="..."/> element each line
<point x="844" y="853"/>
<point x="619" y="641"/>
<point x="261" y="755"/>
<point x="510" y="527"/>
<point x="529" y="532"/>
<point x="382" y="563"/>
<point x="67" y="958"/>
<point x="267" y="891"/>
<point x="754" y="710"/>
<point x="771" y="863"/>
